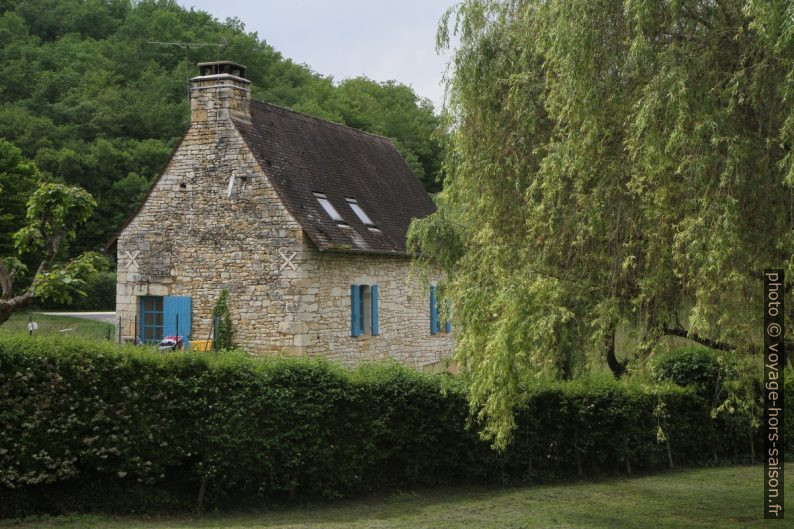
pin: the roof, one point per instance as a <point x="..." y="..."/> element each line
<point x="303" y="155"/>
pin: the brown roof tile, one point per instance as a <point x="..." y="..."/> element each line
<point x="303" y="155"/>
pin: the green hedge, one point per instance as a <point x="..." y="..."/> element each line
<point x="88" y="426"/>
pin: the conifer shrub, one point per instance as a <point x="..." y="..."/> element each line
<point x="222" y="319"/>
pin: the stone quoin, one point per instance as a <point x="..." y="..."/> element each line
<point x="303" y="221"/>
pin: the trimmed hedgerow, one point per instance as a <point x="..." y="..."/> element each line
<point x="91" y="426"/>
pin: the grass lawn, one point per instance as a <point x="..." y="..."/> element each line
<point x="710" y="498"/>
<point x="58" y="325"/>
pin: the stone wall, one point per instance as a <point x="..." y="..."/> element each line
<point x="403" y="310"/>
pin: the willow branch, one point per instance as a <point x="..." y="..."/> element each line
<point x="708" y="342"/>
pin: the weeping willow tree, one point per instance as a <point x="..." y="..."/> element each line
<point x="609" y="164"/>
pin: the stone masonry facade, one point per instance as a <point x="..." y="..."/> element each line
<point x="213" y="221"/>
<point x="404" y="308"/>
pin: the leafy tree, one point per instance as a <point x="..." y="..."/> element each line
<point x="611" y="164"/>
<point x="54" y="212"/>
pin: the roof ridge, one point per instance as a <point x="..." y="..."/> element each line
<point x="309" y="117"/>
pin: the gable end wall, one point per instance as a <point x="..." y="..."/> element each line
<point x="191" y="239"/>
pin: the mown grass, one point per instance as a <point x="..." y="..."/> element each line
<point x="716" y="498"/>
<point x="57" y="326"/>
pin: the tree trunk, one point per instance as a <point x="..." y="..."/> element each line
<point x="752" y="450"/>
<point x="11" y="305"/>
<point x="617" y="368"/>
<point x="669" y="454"/>
<point x="626" y="453"/>
<point x="201" y="493"/>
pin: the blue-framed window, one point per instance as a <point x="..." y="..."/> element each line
<point x="152" y="319"/>
<point x="364" y="310"/>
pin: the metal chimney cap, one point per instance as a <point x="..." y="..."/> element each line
<point x="222" y="67"/>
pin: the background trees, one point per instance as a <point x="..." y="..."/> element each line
<point x="87" y="97"/>
<point x="611" y="165"/>
<point x="18" y="177"/>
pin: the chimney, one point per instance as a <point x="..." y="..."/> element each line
<point x="219" y="92"/>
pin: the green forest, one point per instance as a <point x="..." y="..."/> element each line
<point x="89" y="100"/>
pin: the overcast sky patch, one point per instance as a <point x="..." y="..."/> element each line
<point x="380" y="39"/>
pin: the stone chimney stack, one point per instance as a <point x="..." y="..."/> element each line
<point x="219" y="92"/>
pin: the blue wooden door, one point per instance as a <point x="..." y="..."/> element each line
<point x="176" y="316"/>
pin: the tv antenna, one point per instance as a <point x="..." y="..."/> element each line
<point x="187" y="46"/>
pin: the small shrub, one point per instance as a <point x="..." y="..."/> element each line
<point x="701" y="368"/>
<point x="224" y="331"/>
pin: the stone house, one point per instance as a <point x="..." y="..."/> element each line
<point x="303" y="221"/>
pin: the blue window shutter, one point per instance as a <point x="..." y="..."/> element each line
<point x="176" y="316"/>
<point x="448" y="321"/>
<point x="433" y="311"/>
<point x="374" y="291"/>
<point x="355" y="310"/>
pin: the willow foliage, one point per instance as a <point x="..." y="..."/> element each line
<point x="610" y="163"/>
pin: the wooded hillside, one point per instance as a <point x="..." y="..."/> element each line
<point x="89" y="99"/>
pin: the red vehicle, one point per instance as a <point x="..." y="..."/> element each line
<point x="171" y="343"/>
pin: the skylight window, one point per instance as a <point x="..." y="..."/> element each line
<point x="359" y="212"/>
<point x="328" y="207"/>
